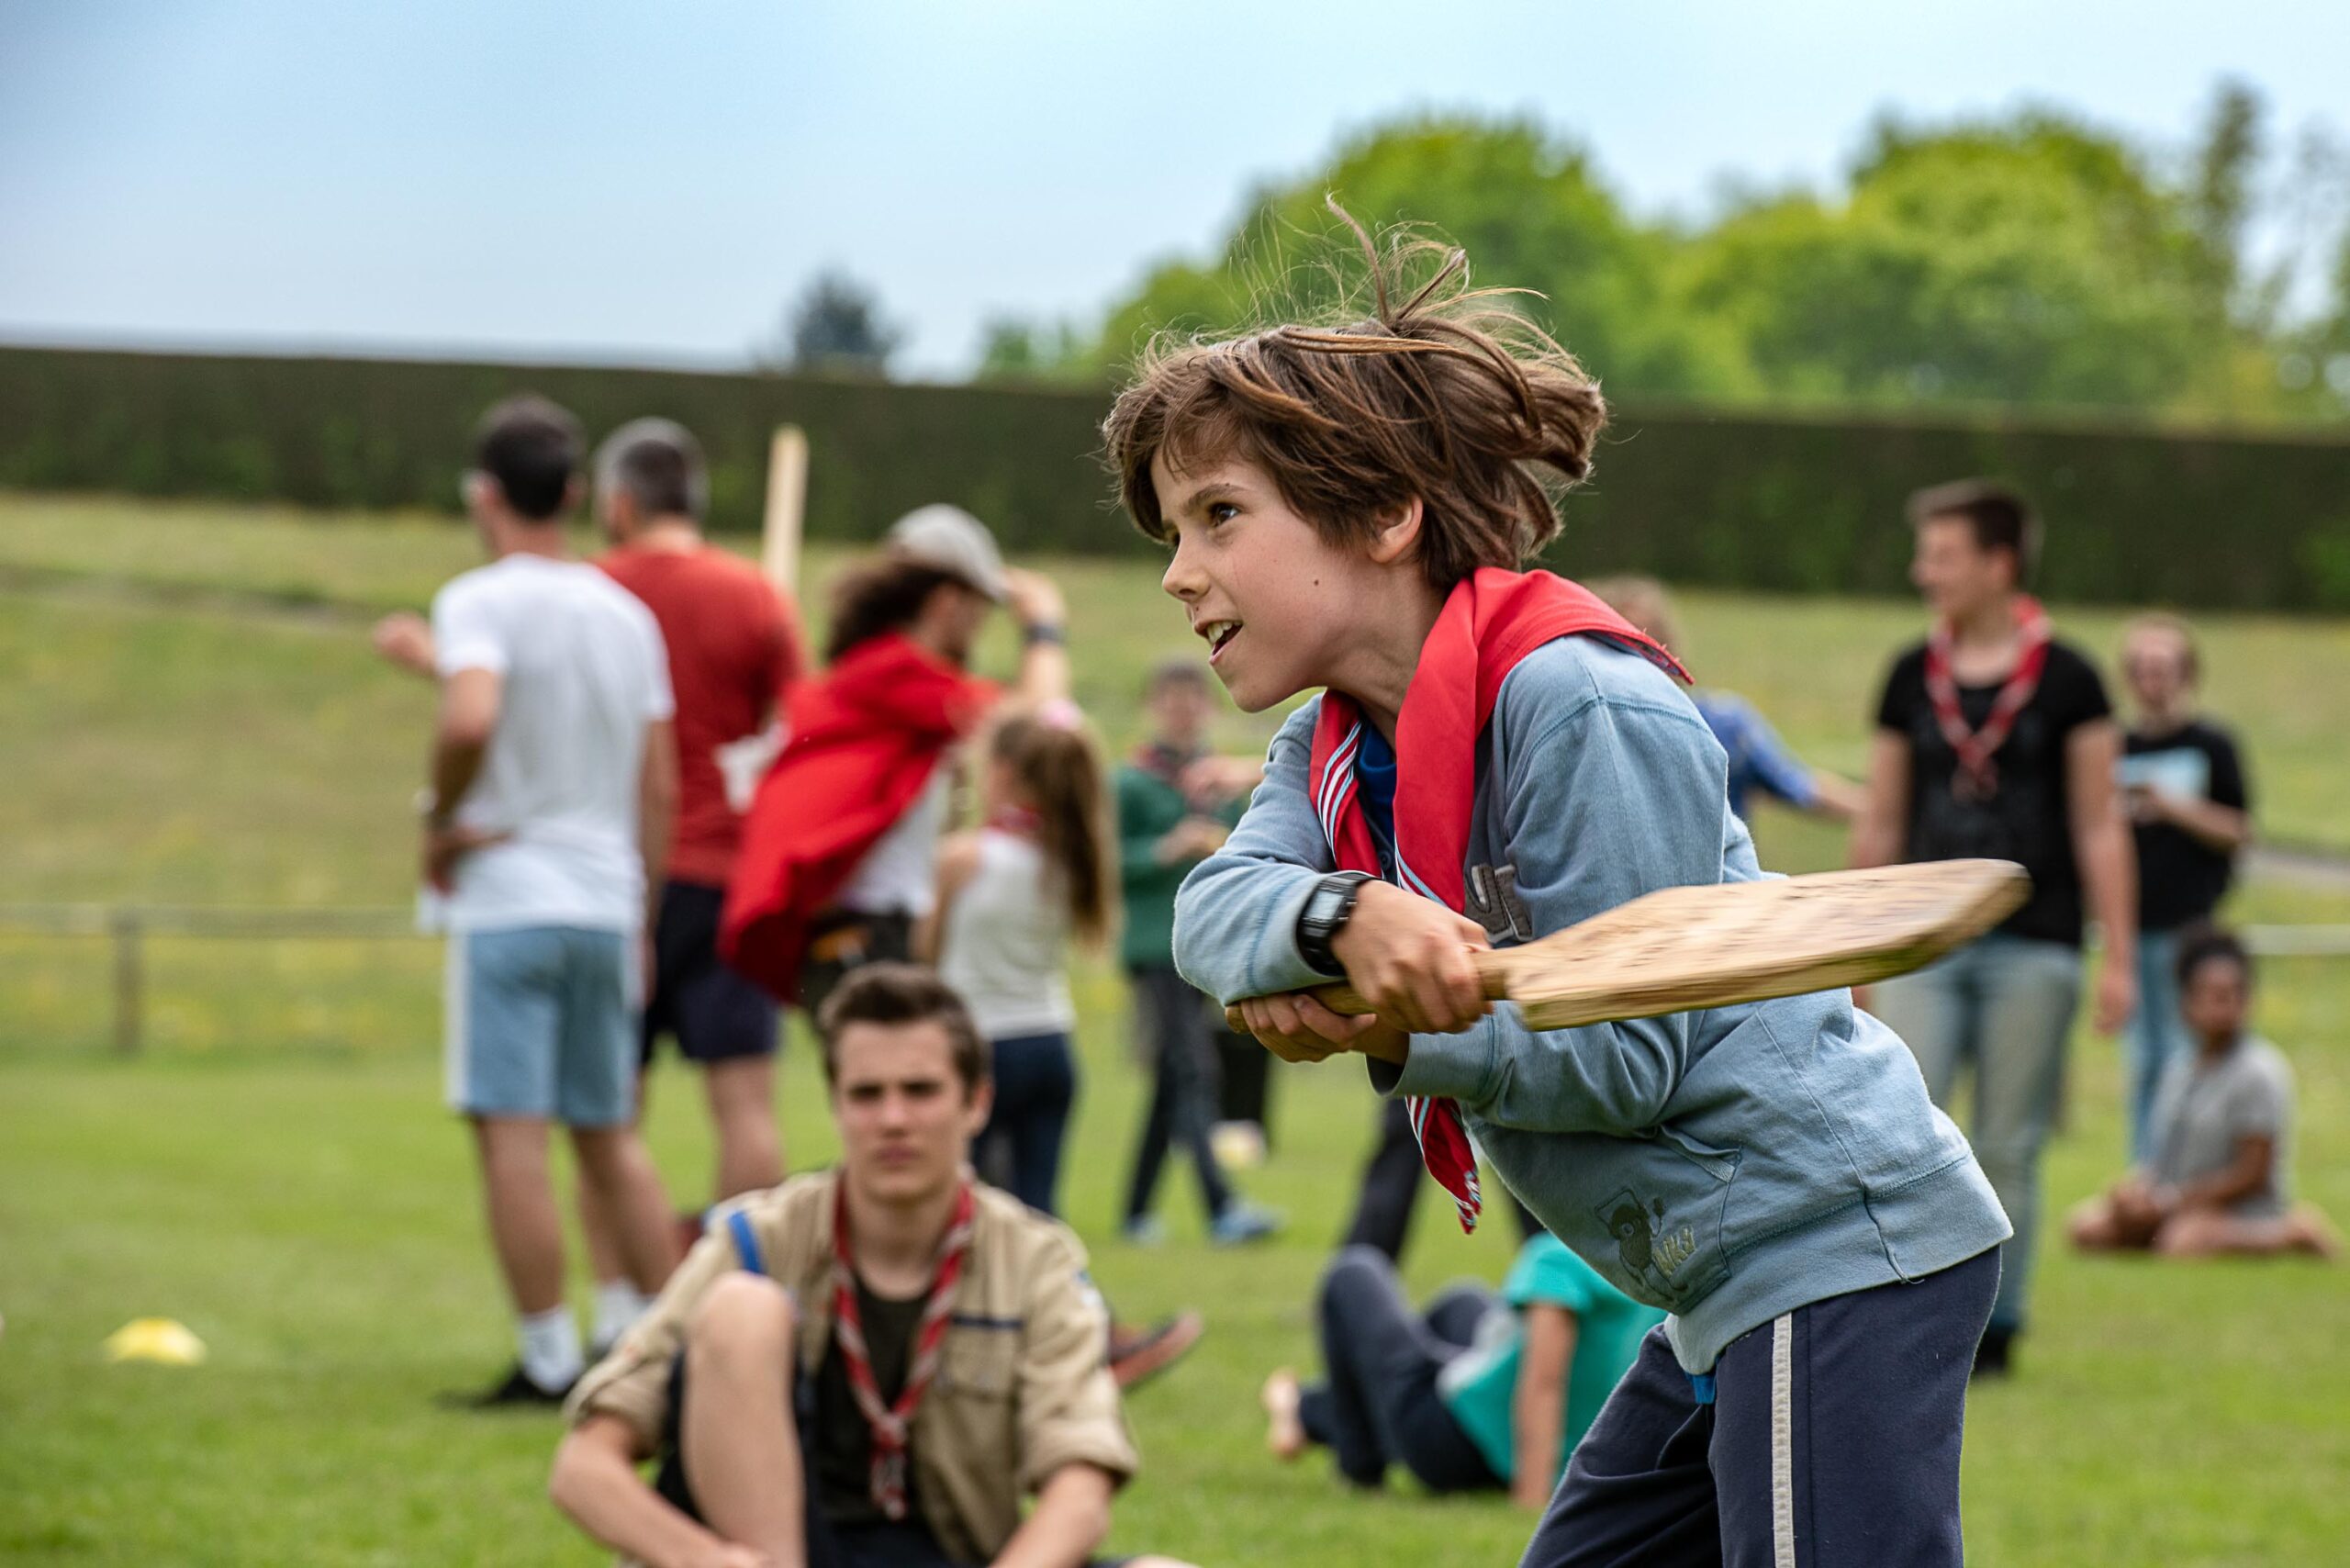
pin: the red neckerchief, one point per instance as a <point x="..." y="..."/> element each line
<point x="891" y="1425"/>
<point x="1978" y="777"/>
<point x="1491" y="620"/>
<point x="865" y="736"/>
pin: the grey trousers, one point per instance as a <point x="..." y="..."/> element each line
<point x="2004" y="1008"/>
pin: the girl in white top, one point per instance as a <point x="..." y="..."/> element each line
<point x="1011" y="897"/>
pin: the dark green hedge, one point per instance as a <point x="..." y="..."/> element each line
<point x="1796" y="505"/>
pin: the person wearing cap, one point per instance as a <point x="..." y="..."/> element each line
<point x="841" y="844"/>
<point x="840" y="851"/>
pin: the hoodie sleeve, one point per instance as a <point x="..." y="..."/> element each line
<point x="1235" y="915"/>
<point x="1610" y="786"/>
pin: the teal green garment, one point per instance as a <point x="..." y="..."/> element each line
<point x="1148" y="807"/>
<point x="1480" y="1386"/>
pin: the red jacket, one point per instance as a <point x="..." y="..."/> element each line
<point x="865" y="738"/>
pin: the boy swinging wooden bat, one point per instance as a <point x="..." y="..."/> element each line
<point x="1495" y="754"/>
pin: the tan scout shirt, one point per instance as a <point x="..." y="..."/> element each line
<point x="1024" y="1384"/>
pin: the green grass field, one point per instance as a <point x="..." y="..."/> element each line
<point x="189" y="713"/>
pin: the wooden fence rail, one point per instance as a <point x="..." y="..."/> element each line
<point x="126" y="927"/>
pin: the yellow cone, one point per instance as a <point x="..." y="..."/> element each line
<point x="155" y="1340"/>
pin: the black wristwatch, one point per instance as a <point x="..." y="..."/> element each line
<point x="1327" y="911"/>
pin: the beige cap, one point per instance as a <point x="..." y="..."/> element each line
<point x="953" y="540"/>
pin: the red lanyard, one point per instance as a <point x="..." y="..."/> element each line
<point x="891" y="1424"/>
<point x="1978" y="777"/>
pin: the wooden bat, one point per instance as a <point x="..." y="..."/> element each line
<point x="1684" y="949"/>
<point x="787" y="505"/>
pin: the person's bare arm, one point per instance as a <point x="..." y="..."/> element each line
<point x="2245" y="1174"/>
<point x="460" y="736"/>
<point x="1070" y="1519"/>
<point x="1214" y="781"/>
<point x="1837" y="798"/>
<point x="461" y="733"/>
<point x="1878" y="830"/>
<point x="1538" y="1412"/>
<point x="595" y="1481"/>
<point x="958" y="859"/>
<point x="657" y="809"/>
<point x="1036" y="602"/>
<point x="2108" y="858"/>
<point x="404" y="640"/>
<point x="2224" y="829"/>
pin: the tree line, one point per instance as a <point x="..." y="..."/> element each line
<point x="2030" y="259"/>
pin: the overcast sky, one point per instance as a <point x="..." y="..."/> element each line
<point x="642" y="181"/>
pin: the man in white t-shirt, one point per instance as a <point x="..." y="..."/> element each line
<point x="554" y="789"/>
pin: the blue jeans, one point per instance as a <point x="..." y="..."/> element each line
<point x="2158" y="1032"/>
<point x="1020" y="1148"/>
<point x="2004" y="1006"/>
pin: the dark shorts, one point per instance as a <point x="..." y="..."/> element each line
<point x="715" y="1014"/>
<point x="1828" y="1437"/>
<point x="844" y="941"/>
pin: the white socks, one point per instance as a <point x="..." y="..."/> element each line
<point x="551" y="1348"/>
<point x="550" y="1340"/>
<point x="619" y="1304"/>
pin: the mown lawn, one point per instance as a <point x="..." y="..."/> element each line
<point x="277" y="1172"/>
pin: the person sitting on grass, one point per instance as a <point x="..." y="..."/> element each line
<point x="1480" y="1391"/>
<point x="2214" y="1176"/>
<point x="867" y="1365"/>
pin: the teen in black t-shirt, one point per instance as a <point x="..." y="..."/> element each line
<point x="2026" y="818"/>
<point x="1996" y="739"/>
<point x="2182" y="875"/>
<point x="2184" y="785"/>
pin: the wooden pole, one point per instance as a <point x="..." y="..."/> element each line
<point x="129" y="978"/>
<point x="787" y="505"/>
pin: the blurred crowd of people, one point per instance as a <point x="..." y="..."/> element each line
<point x="651" y="818"/>
<point x="1994" y="737"/>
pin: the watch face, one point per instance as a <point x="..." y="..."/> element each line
<point x="1329" y="903"/>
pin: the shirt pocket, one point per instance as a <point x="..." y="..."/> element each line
<point x="1671" y="1234"/>
<point x="980" y="1360"/>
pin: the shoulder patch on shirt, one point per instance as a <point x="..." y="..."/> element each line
<point x="1492" y="900"/>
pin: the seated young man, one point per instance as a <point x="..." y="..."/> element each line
<point x="2214" y="1176"/>
<point x="866" y="1366"/>
<point x="1478" y="1393"/>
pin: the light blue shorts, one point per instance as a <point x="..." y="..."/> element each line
<point x="542" y="1023"/>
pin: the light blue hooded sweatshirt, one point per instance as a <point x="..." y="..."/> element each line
<point x="1728" y="1166"/>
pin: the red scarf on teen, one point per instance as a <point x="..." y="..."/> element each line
<point x="1492" y="620"/>
<point x="865" y="736"/>
<point x="891" y="1424"/>
<point x="1978" y="777"/>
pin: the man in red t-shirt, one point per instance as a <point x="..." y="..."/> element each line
<point x="734" y="649"/>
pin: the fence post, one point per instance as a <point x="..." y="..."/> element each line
<point x="128" y="963"/>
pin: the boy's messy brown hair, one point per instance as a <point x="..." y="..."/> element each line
<point x="1441" y="393"/>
